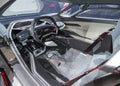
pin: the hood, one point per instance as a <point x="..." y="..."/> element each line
<point x="4" y="4"/>
<point x="91" y="1"/>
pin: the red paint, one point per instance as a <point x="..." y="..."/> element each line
<point x="53" y="30"/>
<point x="52" y="5"/>
<point x="4" y="78"/>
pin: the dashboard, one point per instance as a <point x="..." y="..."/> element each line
<point x="32" y="35"/>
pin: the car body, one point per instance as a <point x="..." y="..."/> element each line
<point x="77" y="46"/>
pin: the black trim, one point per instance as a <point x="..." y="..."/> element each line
<point x="73" y="24"/>
<point x="50" y="79"/>
<point x="65" y="19"/>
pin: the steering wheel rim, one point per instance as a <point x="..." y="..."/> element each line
<point x="32" y="29"/>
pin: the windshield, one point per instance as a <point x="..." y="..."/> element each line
<point x="23" y="7"/>
<point x="33" y="6"/>
<point x="50" y="7"/>
<point x="42" y="7"/>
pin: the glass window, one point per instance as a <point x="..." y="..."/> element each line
<point x="23" y="7"/>
<point x="102" y="11"/>
<point x="50" y="7"/>
<point x="96" y="11"/>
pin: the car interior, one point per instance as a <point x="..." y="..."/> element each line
<point x="59" y="53"/>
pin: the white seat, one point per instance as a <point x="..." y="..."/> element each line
<point x="76" y="62"/>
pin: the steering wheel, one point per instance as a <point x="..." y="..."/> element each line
<point x="42" y="29"/>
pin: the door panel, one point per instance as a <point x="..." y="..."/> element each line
<point x="87" y="29"/>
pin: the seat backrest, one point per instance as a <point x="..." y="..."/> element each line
<point x="111" y="38"/>
<point x="101" y="45"/>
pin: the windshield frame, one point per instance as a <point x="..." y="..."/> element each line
<point x="5" y="6"/>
